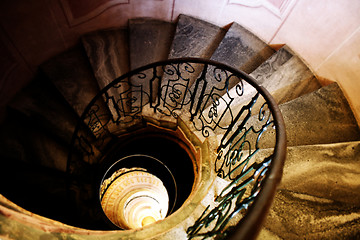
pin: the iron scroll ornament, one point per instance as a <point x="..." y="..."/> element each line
<point x="217" y="100"/>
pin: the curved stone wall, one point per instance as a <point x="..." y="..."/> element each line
<point x="33" y="31"/>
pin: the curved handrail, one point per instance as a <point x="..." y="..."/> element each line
<point x="206" y="93"/>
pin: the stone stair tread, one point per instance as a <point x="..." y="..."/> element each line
<point x="320" y="117"/>
<point x="319" y="192"/>
<point x="284" y="75"/>
<point x="195" y="38"/>
<point x="324" y="114"/>
<point x="44" y="105"/>
<point x="271" y="65"/>
<point x="36" y="145"/>
<point x="325" y="170"/>
<point x="150" y="41"/>
<point x="107" y="51"/>
<point x="309" y="217"/>
<point x="291" y="80"/>
<point x="47" y="151"/>
<point x="71" y="73"/>
<point x="10" y="145"/>
<point x="77" y="85"/>
<point x="241" y="49"/>
<point x="36" y="187"/>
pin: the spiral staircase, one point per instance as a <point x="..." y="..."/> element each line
<point x="73" y="121"/>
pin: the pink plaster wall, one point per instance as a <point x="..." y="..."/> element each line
<point x="325" y="33"/>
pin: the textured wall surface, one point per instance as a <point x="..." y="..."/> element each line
<point x="325" y="33"/>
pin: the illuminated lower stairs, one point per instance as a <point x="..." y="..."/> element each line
<point x="319" y="194"/>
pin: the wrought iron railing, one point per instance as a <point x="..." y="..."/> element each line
<point x="215" y="101"/>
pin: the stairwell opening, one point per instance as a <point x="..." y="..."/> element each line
<point x="145" y="178"/>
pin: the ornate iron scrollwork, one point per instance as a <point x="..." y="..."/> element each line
<point x="216" y="100"/>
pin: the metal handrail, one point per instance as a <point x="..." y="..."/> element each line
<point x="207" y="94"/>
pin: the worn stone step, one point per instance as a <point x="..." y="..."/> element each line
<point x="292" y="80"/>
<point x="41" y="102"/>
<point x="10" y="145"/>
<point x="77" y="85"/>
<point x="321" y="117"/>
<point x="319" y="195"/>
<point x="37" y="189"/>
<point x="289" y="80"/>
<point x="229" y="103"/>
<point x="308" y="217"/>
<point x="23" y="140"/>
<point x="261" y="74"/>
<point x="271" y="65"/>
<point x="150" y="41"/>
<point x="45" y="108"/>
<point x="108" y="53"/>
<point x="241" y="49"/>
<point x="71" y="73"/>
<point x="195" y="38"/>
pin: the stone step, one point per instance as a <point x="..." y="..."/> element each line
<point x="321" y="117"/>
<point x="281" y="64"/>
<point x="43" y="104"/>
<point x="309" y="217"/>
<point x="319" y="195"/>
<point x="23" y="140"/>
<point x="71" y="73"/>
<point x="241" y="49"/>
<point x="10" y="145"/>
<point x="290" y="79"/>
<point x="108" y="53"/>
<point x="78" y="86"/>
<point x="271" y="65"/>
<point x="195" y="38"/>
<point x="37" y="189"/>
<point x="261" y="73"/>
<point x="150" y="41"/>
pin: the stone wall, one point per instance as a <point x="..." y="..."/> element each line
<point x="325" y="33"/>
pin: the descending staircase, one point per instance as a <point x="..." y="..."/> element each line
<point x="317" y="198"/>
